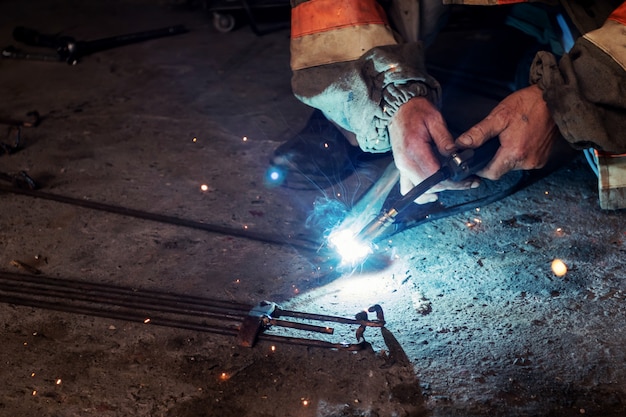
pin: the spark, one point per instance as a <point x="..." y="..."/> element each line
<point x="274" y="176"/>
<point x="273" y="348"/>
<point x="194" y="140"/>
<point x="224" y="376"/>
<point x="32" y="375"/>
<point x="305" y="402"/>
<point x="34" y="392"/>
<point x="559" y="268"/>
<point x="58" y="381"/>
<point x="204" y="187"/>
<point x="245" y="138"/>
<point x="245" y="226"/>
<point x="146" y="321"/>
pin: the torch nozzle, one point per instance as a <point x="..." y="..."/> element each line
<point x="377" y="227"/>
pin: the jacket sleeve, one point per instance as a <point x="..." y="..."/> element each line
<point x="347" y="62"/>
<point x="586" y="89"/>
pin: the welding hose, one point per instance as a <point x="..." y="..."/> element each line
<point x="457" y="168"/>
<point x="407" y="200"/>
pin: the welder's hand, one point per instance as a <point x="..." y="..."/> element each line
<point x="526" y="129"/>
<point x="413" y="130"/>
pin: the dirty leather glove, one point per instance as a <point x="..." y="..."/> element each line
<point x="526" y="129"/>
<point x="417" y="131"/>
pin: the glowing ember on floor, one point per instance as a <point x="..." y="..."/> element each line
<point x="559" y="268"/>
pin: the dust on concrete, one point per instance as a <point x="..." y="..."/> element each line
<point x="477" y="322"/>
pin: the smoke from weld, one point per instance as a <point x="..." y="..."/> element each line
<point x="326" y="215"/>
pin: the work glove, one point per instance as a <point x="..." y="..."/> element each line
<point x="526" y="129"/>
<point x="417" y="132"/>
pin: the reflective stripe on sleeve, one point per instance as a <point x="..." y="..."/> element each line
<point x="611" y="38"/>
<point x="329" y="31"/>
<point x="318" y="16"/>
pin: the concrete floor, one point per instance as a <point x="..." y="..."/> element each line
<point x="477" y="322"/>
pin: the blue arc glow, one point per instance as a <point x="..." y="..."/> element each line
<point x="349" y="247"/>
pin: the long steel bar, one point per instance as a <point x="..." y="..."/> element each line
<point x="188" y="303"/>
<point x="162" y="218"/>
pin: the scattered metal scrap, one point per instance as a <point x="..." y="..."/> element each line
<point x="26" y="267"/>
<point x="248" y="324"/>
<point x="15" y="131"/>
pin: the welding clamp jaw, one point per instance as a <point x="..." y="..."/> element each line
<point x="459" y="166"/>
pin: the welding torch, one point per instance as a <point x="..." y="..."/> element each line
<point x="457" y="167"/>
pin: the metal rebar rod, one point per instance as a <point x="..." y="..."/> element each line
<point x="162" y="218"/>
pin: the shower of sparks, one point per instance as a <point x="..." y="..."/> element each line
<point x="559" y="268"/>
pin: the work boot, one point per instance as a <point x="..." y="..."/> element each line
<point x="611" y="172"/>
<point x="317" y="157"/>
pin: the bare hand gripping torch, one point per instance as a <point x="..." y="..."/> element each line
<point x="457" y="167"/>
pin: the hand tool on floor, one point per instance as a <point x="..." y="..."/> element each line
<point x="266" y="314"/>
<point x="354" y="241"/>
<point x="71" y="50"/>
<point x="20" y="180"/>
<point x="15" y="130"/>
